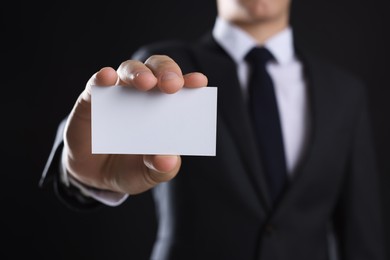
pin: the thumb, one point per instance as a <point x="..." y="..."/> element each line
<point x="161" y="168"/>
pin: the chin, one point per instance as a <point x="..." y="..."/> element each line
<point x="262" y="10"/>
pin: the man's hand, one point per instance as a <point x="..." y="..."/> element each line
<point x="129" y="174"/>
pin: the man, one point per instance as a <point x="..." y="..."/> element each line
<point x="220" y="207"/>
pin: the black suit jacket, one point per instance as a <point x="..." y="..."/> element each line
<point x="219" y="208"/>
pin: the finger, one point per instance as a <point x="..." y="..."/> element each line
<point x="136" y="74"/>
<point x="195" y="80"/>
<point x="167" y="71"/>
<point x="107" y="76"/>
<point x="161" y="168"/>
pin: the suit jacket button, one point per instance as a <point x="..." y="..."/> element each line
<point x="269" y="229"/>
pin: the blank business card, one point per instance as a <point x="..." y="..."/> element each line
<point x="129" y="121"/>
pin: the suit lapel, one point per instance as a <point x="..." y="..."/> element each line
<point x="318" y="112"/>
<point x="234" y="113"/>
<point x="221" y="72"/>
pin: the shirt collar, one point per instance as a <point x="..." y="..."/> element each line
<point x="237" y="43"/>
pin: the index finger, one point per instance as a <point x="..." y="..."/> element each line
<point x="158" y="71"/>
<point x="167" y="71"/>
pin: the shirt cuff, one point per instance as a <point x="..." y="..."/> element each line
<point x="109" y="198"/>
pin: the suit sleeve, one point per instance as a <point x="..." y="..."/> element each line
<point x="358" y="219"/>
<point x="69" y="195"/>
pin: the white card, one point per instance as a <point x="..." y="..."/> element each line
<point x="129" y="121"/>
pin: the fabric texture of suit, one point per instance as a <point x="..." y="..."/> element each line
<point x="219" y="208"/>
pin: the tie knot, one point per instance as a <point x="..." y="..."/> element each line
<point x="259" y="55"/>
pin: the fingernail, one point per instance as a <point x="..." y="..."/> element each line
<point x="149" y="164"/>
<point x="163" y="166"/>
<point x="169" y="76"/>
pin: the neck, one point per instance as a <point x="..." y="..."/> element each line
<point x="261" y="31"/>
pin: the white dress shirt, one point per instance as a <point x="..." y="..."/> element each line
<point x="290" y="90"/>
<point x="287" y="76"/>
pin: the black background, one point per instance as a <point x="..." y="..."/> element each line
<point x="50" y="50"/>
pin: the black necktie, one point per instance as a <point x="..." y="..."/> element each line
<point x="264" y="109"/>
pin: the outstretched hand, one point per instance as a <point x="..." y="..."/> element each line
<point x="130" y="174"/>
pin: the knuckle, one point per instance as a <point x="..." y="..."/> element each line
<point x="153" y="178"/>
<point x="159" y="62"/>
<point x="124" y="64"/>
<point x="158" y="58"/>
